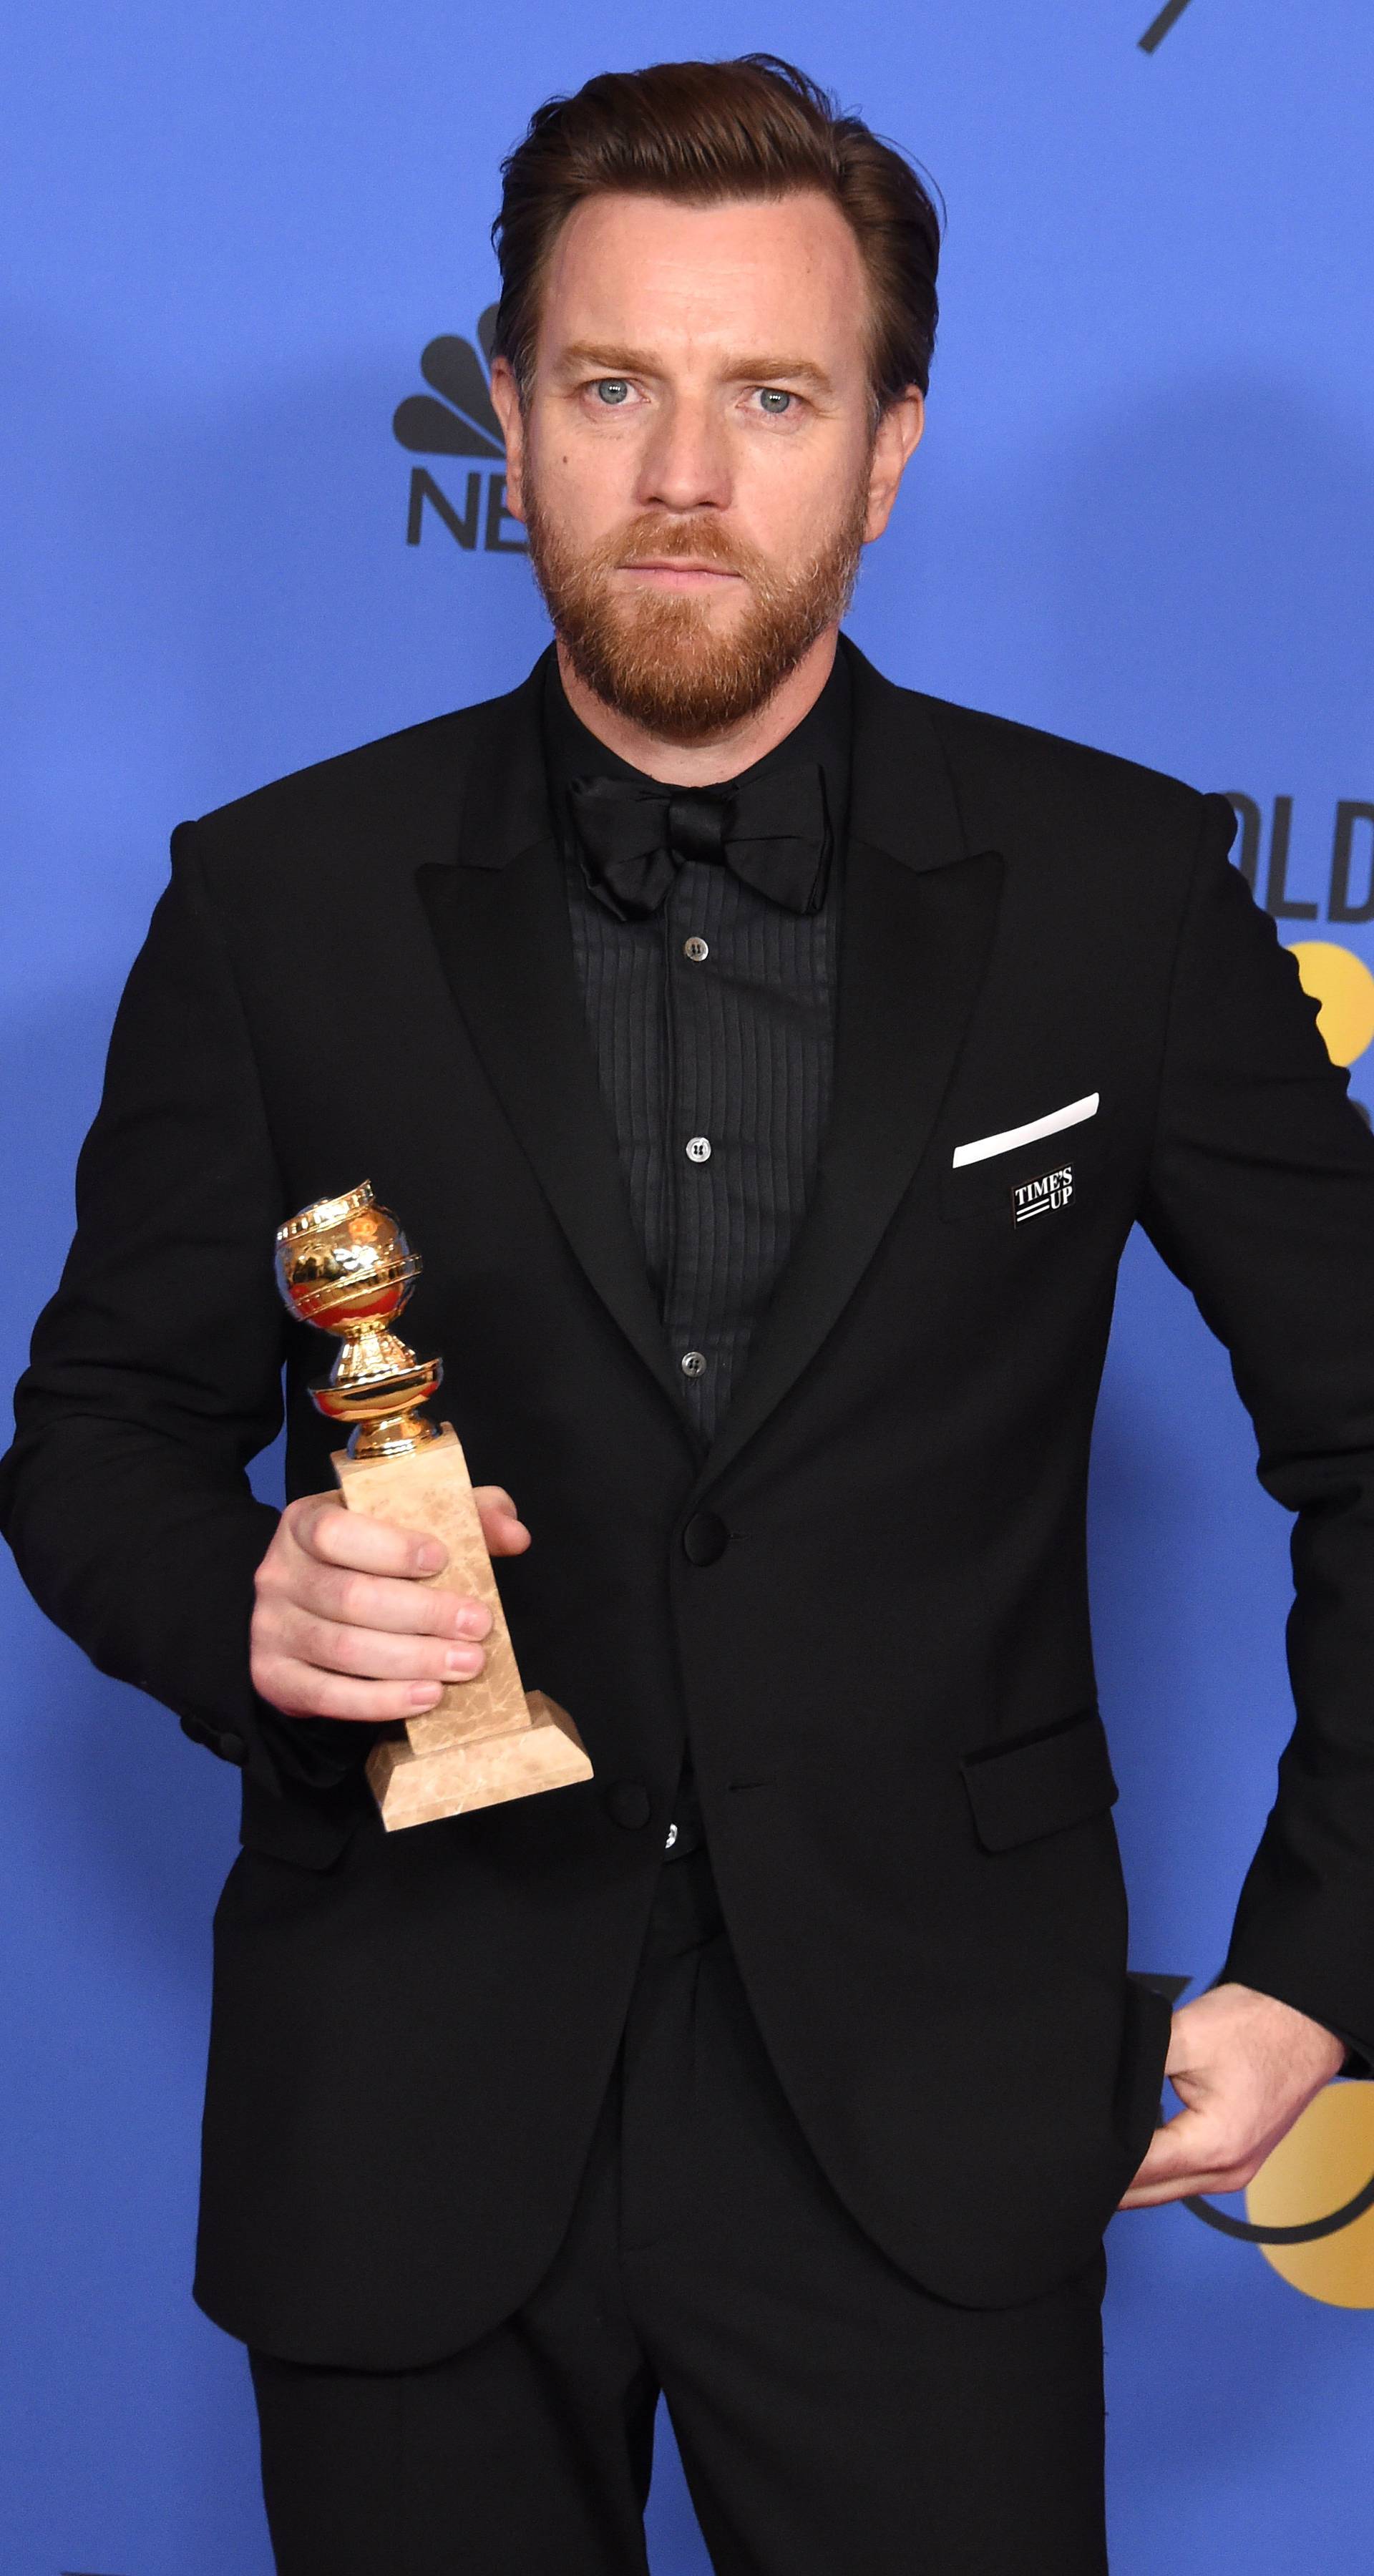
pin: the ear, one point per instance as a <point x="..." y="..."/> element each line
<point x="898" y="437"/>
<point x="505" y="396"/>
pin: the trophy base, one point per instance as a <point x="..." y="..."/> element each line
<point x="415" y="1785"/>
<point x="485" y="1741"/>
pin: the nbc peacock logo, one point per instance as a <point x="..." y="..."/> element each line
<point x="455" y="419"/>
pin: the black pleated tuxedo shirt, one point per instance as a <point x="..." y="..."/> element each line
<point x="713" y="1027"/>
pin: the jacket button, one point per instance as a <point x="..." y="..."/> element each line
<point x="705" y="1539"/>
<point x="628" y="1803"/>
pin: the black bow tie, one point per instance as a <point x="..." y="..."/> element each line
<point x="772" y="831"/>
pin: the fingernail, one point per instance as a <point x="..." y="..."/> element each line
<point x="463" y="1659"/>
<point x="430" y="1557"/>
<point x="426" y="1694"/>
<point x="472" y="1623"/>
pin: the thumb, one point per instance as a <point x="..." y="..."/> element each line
<point x="505" y="1533"/>
<point x="1176" y="2148"/>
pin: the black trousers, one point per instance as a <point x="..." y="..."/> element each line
<point x="833" y="2419"/>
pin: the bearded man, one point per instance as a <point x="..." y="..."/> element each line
<point x="771" y="1063"/>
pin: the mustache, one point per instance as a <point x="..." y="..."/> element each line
<point x="653" y="537"/>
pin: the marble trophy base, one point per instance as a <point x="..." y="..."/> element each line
<point x="486" y="1739"/>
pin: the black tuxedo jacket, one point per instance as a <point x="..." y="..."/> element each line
<point x="867" y="1606"/>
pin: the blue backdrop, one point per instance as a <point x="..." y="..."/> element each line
<point x="1142" y="516"/>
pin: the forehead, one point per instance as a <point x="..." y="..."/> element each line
<point x="757" y="273"/>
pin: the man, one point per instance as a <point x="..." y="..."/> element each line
<point x="771" y="1064"/>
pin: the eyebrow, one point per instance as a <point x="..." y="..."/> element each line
<point x="610" y="360"/>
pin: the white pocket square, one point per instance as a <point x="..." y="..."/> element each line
<point x="983" y="1147"/>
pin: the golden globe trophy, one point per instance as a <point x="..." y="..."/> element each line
<point x="345" y="1265"/>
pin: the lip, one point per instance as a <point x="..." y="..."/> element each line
<point x="676" y="568"/>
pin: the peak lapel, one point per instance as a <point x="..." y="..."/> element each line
<point x="499" y="917"/>
<point x="915" y="933"/>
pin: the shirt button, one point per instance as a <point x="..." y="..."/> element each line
<point x="698" y="1149"/>
<point x="697" y="950"/>
<point x="693" y="1363"/>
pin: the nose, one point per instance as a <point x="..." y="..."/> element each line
<point x="685" y="463"/>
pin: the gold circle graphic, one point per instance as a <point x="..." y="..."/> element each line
<point x="1326" y="2158"/>
<point x="1342" y="983"/>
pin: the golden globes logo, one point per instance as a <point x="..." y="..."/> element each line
<point x="1310" y="2208"/>
<point x="1342" y="984"/>
<point x="1158" y="28"/>
<point x="1337" y="978"/>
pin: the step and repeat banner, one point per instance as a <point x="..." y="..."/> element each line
<point x="255" y="512"/>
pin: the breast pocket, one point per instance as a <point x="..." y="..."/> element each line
<point x="1033" y="1185"/>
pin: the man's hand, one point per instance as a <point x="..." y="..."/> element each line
<point x="343" y="1624"/>
<point x="1244" y="2066"/>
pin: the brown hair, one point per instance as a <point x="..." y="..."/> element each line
<point x="708" y="132"/>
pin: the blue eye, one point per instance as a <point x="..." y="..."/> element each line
<point x="613" y="389"/>
<point x="773" y="398"/>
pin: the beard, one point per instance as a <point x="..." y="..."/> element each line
<point x="659" y="662"/>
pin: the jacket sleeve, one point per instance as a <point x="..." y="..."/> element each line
<point x="1261" y="1198"/>
<point x="156" y="1369"/>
